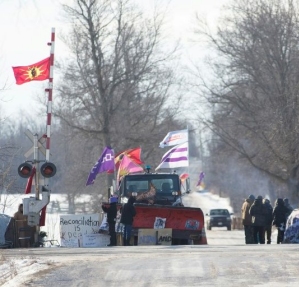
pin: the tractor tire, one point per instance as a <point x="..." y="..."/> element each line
<point x="229" y="228"/>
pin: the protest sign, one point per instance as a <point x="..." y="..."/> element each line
<point x="73" y="227"/>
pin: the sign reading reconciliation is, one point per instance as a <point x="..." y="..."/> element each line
<point x="73" y="227"/>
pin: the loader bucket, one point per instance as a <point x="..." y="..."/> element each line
<point x="187" y="223"/>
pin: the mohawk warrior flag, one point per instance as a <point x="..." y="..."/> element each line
<point x="175" y="157"/>
<point x="36" y="72"/>
<point x="148" y="195"/>
<point x="174" y="138"/>
<point x="104" y="163"/>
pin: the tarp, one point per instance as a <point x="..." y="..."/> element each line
<point x="5" y="221"/>
<point x="291" y="234"/>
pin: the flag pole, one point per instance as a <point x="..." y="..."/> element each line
<point x="49" y="90"/>
<point x="188" y="149"/>
<point x="50" y="94"/>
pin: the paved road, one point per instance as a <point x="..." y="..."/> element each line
<point x="231" y="263"/>
<point x="225" y="261"/>
<point x="218" y="265"/>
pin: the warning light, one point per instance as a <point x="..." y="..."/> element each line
<point x="48" y="169"/>
<point x="25" y="170"/>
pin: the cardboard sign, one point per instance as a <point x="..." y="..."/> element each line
<point x="155" y="236"/>
<point x="165" y="236"/>
<point x="73" y="227"/>
<point x="70" y="243"/>
<point x="95" y="240"/>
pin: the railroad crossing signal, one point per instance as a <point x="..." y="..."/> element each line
<point x="40" y="143"/>
<point x="48" y="169"/>
<point x="25" y="170"/>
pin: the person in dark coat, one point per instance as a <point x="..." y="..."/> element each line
<point x="269" y="219"/>
<point x="258" y="211"/>
<point x="247" y="219"/>
<point x="288" y="206"/>
<point x="111" y="211"/>
<point x="127" y="217"/>
<point x="279" y="218"/>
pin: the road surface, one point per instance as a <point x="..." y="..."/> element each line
<point x="209" y="265"/>
<point x="225" y="261"/>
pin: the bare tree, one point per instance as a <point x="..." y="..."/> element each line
<point x="254" y="98"/>
<point x="119" y="84"/>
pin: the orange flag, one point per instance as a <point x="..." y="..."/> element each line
<point x="36" y="72"/>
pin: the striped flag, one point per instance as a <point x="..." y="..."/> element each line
<point x="174" y="138"/>
<point x="175" y="157"/>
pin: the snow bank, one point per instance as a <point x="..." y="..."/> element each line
<point x="16" y="272"/>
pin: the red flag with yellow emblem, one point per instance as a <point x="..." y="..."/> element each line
<point x="36" y="72"/>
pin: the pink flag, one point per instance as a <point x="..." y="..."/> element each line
<point x="127" y="166"/>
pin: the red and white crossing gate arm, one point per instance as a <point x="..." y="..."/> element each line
<point x="50" y="92"/>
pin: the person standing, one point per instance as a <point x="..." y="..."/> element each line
<point x="269" y="218"/>
<point x="19" y="214"/>
<point x="127" y="217"/>
<point x="279" y="218"/>
<point x="257" y="211"/>
<point x="247" y="219"/>
<point x="288" y="206"/>
<point x="111" y="211"/>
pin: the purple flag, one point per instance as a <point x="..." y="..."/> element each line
<point x="104" y="163"/>
<point x="201" y="176"/>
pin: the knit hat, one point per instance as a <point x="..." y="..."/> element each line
<point x="259" y="197"/>
<point x="113" y="199"/>
<point x="251" y="197"/>
<point x="286" y="200"/>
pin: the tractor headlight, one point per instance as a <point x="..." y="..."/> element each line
<point x="134" y="193"/>
<point x="175" y="193"/>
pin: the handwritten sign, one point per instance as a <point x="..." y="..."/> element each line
<point x="70" y="243"/>
<point x="155" y="236"/>
<point x="95" y="240"/>
<point x="73" y="227"/>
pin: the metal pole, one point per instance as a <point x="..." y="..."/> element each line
<point x="36" y="164"/>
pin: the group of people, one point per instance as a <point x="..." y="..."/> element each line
<point x="127" y="215"/>
<point x="259" y="216"/>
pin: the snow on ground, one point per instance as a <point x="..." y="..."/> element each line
<point x="14" y="273"/>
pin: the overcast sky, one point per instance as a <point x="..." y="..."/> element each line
<point x="25" y="29"/>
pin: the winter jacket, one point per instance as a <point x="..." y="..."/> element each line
<point x="289" y="208"/>
<point x="279" y="213"/>
<point x="258" y="213"/>
<point x="246" y="217"/>
<point x="128" y="212"/>
<point x="268" y="213"/>
<point x="19" y="214"/>
<point x="111" y="211"/>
